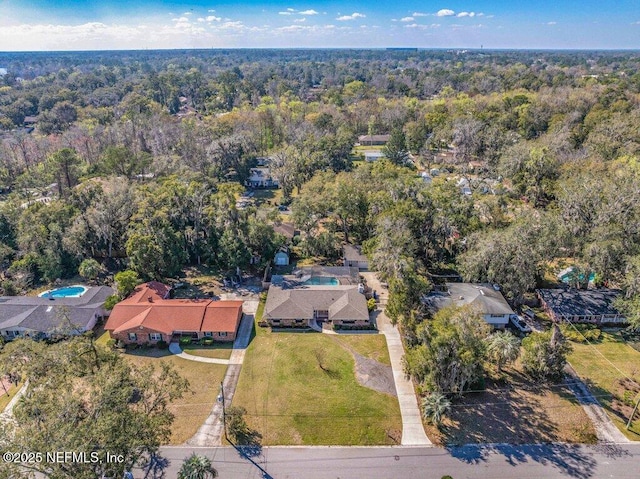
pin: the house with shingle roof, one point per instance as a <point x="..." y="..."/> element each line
<point x="353" y="257"/>
<point x="484" y="297"/>
<point x="149" y="315"/>
<point x="39" y="317"/>
<point x="294" y="301"/>
<point x="581" y="305"/>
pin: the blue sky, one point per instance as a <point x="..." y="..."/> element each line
<point x="117" y="24"/>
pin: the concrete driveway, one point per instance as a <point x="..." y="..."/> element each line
<point x="412" y="430"/>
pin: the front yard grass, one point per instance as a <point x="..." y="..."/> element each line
<point x="194" y="407"/>
<point x="6" y="399"/>
<point x="216" y="350"/>
<point x="301" y="388"/>
<point x="372" y="346"/>
<point x="610" y="367"/>
<point x="515" y="410"/>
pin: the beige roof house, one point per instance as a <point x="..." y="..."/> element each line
<point x="484" y="297"/>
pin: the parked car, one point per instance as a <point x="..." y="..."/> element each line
<point x="528" y="312"/>
<point x="519" y="323"/>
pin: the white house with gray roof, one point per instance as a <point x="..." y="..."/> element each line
<point x="484" y="297"/>
<point x="35" y="317"/>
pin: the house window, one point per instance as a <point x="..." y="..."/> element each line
<point x="133" y="337"/>
<point x="208" y="334"/>
<point x="155" y="337"/>
<point x="223" y="334"/>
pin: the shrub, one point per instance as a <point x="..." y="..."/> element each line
<point x="371" y="304"/>
<point x="111" y="343"/>
<point x="581" y="333"/>
<point x="162" y="344"/>
<point x="185" y="341"/>
<point x="110" y="302"/>
<point x="207" y="342"/>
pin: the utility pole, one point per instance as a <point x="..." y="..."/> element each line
<point x="224" y="412"/>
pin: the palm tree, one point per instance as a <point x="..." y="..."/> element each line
<point x="503" y="348"/>
<point x="434" y="407"/>
<point x="197" y="467"/>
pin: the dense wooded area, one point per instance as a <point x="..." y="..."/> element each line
<point x="142" y="156"/>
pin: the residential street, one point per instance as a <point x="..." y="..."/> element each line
<point x="468" y="462"/>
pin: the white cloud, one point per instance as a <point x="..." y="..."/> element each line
<point x="285" y="13"/>
<point x="407" y="19"/>
<point x="290" y="10"/>
<point x="300" y="20"/>
<point x="418" y="14"/>
<point x="445" y="12"/>
<point x="636" y="23"/>
<point x="467" y="14"/>
<point x="551" y="23"/>
<point x="309" y="12"/>
<point x="353" y="16"/>
<point x="212" y="18"/>
<point x="418" y="26"/>
<point x="211" y="11"/>
<point x="187" y="13"/>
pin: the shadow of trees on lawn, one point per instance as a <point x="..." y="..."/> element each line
<point x="501" y="413"/>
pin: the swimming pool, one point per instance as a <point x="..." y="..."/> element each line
<point x="322" y="281"/>
<point x="67" y="292"/>
<point x="566" y="278"/>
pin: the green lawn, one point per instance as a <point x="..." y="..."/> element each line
<point x="217" y="350"/>
<point x="603" y="365"/>
<point x="290" y="399"/>
<point x="372" y="346"/>
<point x="4" y="399"/>
<point x="204" y="379"/>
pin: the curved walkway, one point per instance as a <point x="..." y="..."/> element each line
<point x="412" y="429"/>
<point x="174" y="348"/>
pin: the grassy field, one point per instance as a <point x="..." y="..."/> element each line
<point x="218" y="351"/>
<point x="513" y="409"/>
<point x="204" y="379"/>
<point x="610" y="367"/>
<point x="6" y="399"/>
<point x="300" y="388"/>
<point x="372" y="346"/>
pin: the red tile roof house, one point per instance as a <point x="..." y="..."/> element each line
<point x="148" y="316"/>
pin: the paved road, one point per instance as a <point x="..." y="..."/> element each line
<point x="469" y="462"/>
<point x="412" y="430"/>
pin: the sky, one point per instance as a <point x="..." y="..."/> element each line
<point x="44" y="25"/>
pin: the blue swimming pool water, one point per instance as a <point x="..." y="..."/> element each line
<point x="322" y="281"/>
<point x="66" y="292"/>
<point x="565" y="278"/>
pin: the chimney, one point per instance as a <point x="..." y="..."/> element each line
<point x="150" y="298"/>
